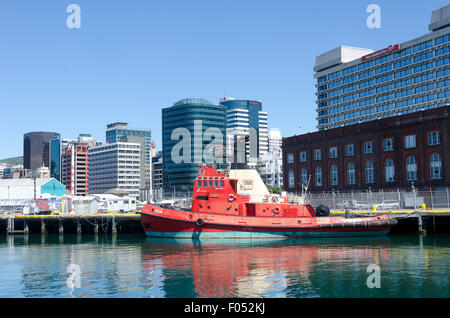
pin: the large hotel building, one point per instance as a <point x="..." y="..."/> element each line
<point x="383" y="118"/>
<point x="356" y="85"/>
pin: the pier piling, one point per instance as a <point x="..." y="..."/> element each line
<point x="114" y="228"/>
<point x="43" y="230"/>
<point x="78" y="227"/>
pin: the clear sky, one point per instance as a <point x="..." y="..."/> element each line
<point x="131" y="58"/>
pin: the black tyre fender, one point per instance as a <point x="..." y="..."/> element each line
<point x="200" y="222"/>
<point x="322" y="210"/>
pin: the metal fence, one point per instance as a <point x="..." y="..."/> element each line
<point x="383" y="200"/>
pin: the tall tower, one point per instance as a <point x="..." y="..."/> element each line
<point x="245" y="118"/>
<point x="187" y="132"/>
<point x="36" y="151"/>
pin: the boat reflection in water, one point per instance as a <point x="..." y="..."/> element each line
<point x="280" y="268"/>
<point x="133" y="266"/>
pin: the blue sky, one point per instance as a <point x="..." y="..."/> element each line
<point x="132" y="58"/>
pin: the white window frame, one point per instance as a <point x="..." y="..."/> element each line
<point x="388" y="144"/>
<point x="435" y="167"/>
<point x="317" y="154"/>
<point x="318" y="177"/>
<point x="303" y="156"/>
<point x="369" y="172"/>
<point x="290" y="158"/>
<point x="411" y="169"/>
<point x="389" y="170"/>
<point x="333" y="152"/>
<point x="410" y="141"/>
<point x="291" y="179"/>
<point x="366" y="148"/>
<point x="349" y="153"/>
<point x="434" y="138"/>
<point x="334" y="175"/>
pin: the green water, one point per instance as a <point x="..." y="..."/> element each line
<point x="135" y="266"/>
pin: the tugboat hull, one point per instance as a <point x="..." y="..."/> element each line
<point x="166" y="223"/>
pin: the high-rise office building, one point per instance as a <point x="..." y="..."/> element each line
<point x="57" y="149"/>
<point x="36" y="147"/>
<point x="57" y="146"/>
<point x="76" y="154"/>
<point x="357" y="85"/>
<point x="115" y="166"/>
<point x="190" y="121"/>
<point x="116" y="130"/>
<point x="243" y="117"/>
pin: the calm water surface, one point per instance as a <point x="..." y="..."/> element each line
<point x="135" y="266"/>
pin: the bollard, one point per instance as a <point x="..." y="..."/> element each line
<point x="374" y="209"/>
<point x="347" y="213"/>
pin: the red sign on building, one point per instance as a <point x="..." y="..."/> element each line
<point x="387" y="50"/>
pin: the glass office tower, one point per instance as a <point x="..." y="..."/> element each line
<point x="36" y="149"/>
<point x="188" y="120"/>
<point x="243" y="115"/>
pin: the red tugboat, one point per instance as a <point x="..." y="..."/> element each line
<point x="241" y="207"/>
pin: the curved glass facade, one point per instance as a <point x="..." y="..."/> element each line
<point x="193" y="116"/>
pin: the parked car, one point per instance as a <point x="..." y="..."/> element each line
<point x="389" y="205"/>
<point x="360" y="205"/>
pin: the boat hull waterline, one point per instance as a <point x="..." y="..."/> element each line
<point x="167" y="223"/>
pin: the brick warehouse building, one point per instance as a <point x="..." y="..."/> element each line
<point x="389" y="153"/>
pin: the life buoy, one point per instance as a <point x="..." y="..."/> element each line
<point x="231" y="197"/>
<point x="200" y="222"/>
<point x="275" y="199"/>
<point x="276" y="210"/>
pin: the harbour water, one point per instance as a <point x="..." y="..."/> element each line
<point x="64" y="266"/>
